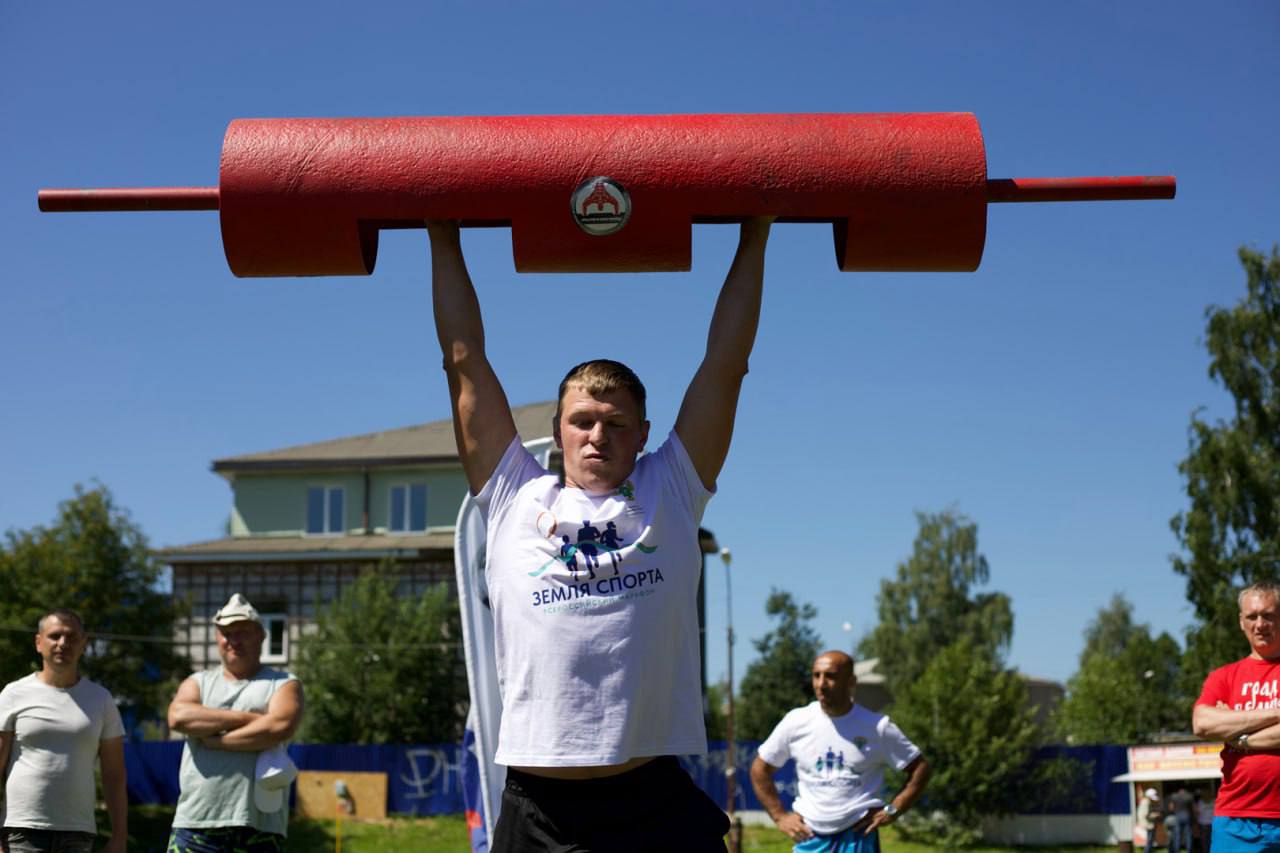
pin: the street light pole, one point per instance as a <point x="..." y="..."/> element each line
<point x="730" y="768"/>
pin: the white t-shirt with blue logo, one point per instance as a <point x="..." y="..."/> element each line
<point x="594" y="601"/>
<point x="840" y="762"/>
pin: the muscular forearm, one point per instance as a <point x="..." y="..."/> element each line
<point x="767" y="792"/>
<point x="1268" y="739"/>
<point x="916" y="782"/>
<point x="1222" y="723"/>
<point x="262" y="733"/>
<point x="114" y="791"/>
<point x="459" y="324"/>
<point x="192" y="718"/>
<point x="790" y="823"/>
<point x="768" y="796"/>
<point x="117" y="799"/>
<point x="737" y="313"/>
<point x="481" y="416"/>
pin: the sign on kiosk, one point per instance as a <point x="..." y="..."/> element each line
<point x="1175" y="761"/>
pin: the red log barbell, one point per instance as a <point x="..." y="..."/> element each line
<point x="903" y="191"/>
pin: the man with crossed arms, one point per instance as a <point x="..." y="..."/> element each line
<point x="1240" y="705"/>
<point x="231" y="714"/>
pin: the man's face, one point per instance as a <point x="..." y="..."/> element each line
<point x="240" y="644"/>
<point x="1258" y="619"/>
<point x="59" y="643"/>
<point x="601" y="436"/>
<point x="833" y="683"/>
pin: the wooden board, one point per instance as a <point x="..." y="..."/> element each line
<point x="317" y="795"/>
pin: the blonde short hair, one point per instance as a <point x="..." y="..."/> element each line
<point x="602" y="376"/>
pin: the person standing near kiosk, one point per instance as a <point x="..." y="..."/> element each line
<point x="1240" y="705"/>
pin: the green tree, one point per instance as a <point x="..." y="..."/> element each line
<point x="96" y="561"/>
<point x="1230" y="533"/>
<point x="932" y="603"/>
<point x="381" y="668"/>
<point x="780" y="678"/>
<point x="969" y="716"/>
<point x="1125" y="684"/>
<point x="716" y="707"/>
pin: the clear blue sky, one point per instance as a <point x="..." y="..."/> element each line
<point x="1046" y="396"/>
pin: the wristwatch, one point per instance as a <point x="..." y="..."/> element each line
<point x="891" y="810"/>
<point x="1241" y="742"/>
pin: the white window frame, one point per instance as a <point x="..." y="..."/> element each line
<point x="408" y="507"/>
<point x="269" y="656"/>
<point x="328" y="490"/>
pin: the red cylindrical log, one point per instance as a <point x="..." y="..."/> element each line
<point x="904" y="191"/>
<point x="307" y="196"/>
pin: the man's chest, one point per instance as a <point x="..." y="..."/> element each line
<point x="825" y="755"/>
<point x="1247" y="690"/>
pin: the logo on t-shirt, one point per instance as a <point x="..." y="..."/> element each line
<point x="593" y="553"/>
<point x="582" y="550"/>
<point x="1258" y="694"/>
<point x="831" y="765"/>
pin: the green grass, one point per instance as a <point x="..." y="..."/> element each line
<point x="759" y="839"/>
<point x="149" y="831"/>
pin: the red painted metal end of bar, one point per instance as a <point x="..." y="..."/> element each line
<point x="1127" y="188"/>
<point x="129" y="198"/>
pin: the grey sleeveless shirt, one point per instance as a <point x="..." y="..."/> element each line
<point x="217" y="784"/>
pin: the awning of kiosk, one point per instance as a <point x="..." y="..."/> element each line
<point x="1169" y="775"/>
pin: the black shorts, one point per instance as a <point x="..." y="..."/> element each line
<point x="654" y="807"/>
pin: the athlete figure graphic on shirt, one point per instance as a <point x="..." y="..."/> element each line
<point x="612" y="544"/>
<point x="568" y="554"/>
<point x="588" y="536"/>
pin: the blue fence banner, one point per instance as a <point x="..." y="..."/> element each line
<point x="429" y="779"/>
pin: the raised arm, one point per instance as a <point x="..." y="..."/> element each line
<point x="115" y="792"/>
<point x="762" y="773"/>
<point x="277" y="725"/>
<point x="705" y="422"/>
<point x="482" y="423"/>
<point x="188" y="716"/>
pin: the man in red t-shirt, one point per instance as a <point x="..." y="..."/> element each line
<point x="1240" y="705"/>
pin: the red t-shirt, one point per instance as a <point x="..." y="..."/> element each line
<point x="1250" y="781"/>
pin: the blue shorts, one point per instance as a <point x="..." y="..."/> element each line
<point x="845" y="841"/>
<point x="1245" y="835"/>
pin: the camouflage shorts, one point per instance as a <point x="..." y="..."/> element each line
<point x="224" y="839"/>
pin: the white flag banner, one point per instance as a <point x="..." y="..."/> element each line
<point x="482" y="671"/>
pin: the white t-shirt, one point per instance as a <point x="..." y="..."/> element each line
<point x="594" y="602"/>
<point x="57" y="731"/>
<point x="840" y="762"/>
